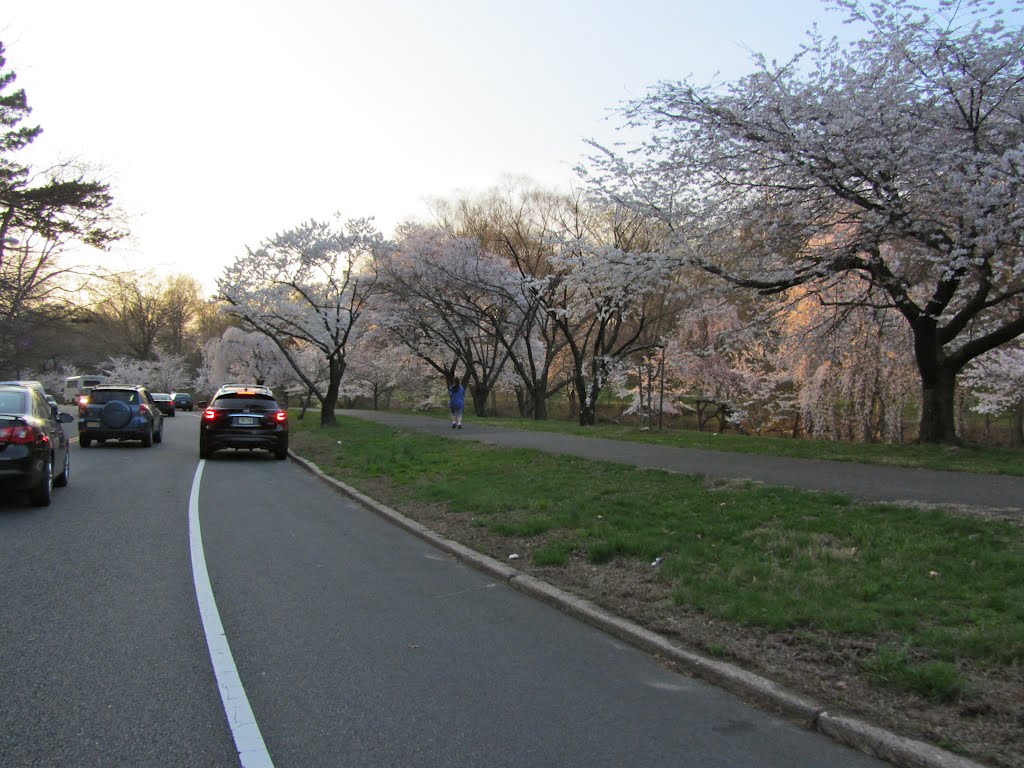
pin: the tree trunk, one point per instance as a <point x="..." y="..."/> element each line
<point x="588" y="405"/>
<point x="540" y="406"/>
<point x="938" y="404"/>
<point x="701" y="421"/>
<point x="336" y="369"/>
<point x="480" y="395"/>
<point x="1017" y="426"/>
<point x="522" y="401"/>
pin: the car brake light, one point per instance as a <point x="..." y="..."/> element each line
<point x="21" y="436"/>
<point x="143" y="408"/>
<point x="281" y="416"/>
<point x="209" y="414"/>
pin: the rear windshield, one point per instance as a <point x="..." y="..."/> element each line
<point x="246" y="400"/>
<point x="12" y="402"/>
<point x="109" y="395"/>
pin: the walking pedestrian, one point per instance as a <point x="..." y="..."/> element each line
<point x="456" y="403"/>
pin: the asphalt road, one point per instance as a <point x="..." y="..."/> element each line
<point x="355" y="643"/>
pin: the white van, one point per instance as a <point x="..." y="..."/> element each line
<point x="76" y="386"/>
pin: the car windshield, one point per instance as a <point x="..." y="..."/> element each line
<point x="161" y="396"/>
<point x="110" y="395"/>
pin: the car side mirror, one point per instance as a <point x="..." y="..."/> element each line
<point x="203" y="403"/>
<point x="65" y="418"/>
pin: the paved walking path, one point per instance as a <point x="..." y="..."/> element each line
<point x="864" y="481"/>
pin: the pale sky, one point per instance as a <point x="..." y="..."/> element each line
<point x="221" y="123"/>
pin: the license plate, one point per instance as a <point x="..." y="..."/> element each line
<point x="246" y="421"/>
<point x="92" y="424"/>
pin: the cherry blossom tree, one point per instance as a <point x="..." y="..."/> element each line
<point x="603" y="306"/>
<point x="997" y="379"/>
<point x="122" y="369"/>
<point x="245" y="357"/>
<point x="520" y="223"/>
<point x="167" y="372"/>
<point x="898" y="159"/>
<point x="853" y="366"/>
<point x="446" y="304"/>
<point x="308" y="287"/>
<point x="699" y="363"/>
<point x="379" y="368"/>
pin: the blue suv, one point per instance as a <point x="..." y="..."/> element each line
<point x="119" y="413"/>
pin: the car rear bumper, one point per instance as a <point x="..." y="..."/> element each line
<point x="20" y="472"/>
<point x="223" y="438"/>
<point x="112" y="434"/>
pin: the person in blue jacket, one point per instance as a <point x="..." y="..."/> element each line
<point x="456" y="403"/>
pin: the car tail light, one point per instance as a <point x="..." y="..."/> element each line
<point x="209" y="414"/>
<point x="143" y="408"/>
<point x="22" y="435"/>
<point x="281" y="417"/>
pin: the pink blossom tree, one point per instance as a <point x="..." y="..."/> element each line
<point x="307" y="288"/>
<point x="898" y="160"/>
<point x="445" y="302"/>
<point x="997" y="380"/>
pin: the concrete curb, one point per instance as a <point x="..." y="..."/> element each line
<point x="874" y="741"/>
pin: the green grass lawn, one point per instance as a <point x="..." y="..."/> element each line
<point x="930" y="588"/>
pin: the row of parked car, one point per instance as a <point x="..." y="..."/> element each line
<point x="34" y="453"/>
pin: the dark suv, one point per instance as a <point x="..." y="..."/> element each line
<point x="182" y="400"/>
<point x="120" y="413"/>
<point x="244" y="416"/>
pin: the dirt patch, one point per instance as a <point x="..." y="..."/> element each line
<point x="987" y="727"/>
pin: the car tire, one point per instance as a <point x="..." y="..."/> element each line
<point x="62" y="479"/>
<point x="85" y="442"/>
<point x="116" y="415"/>
<point x="147" y="438"/>
<point x="281" y="452"/>
<point x="204" y="450"/>
<point x="40" y="496"/>
<point x="158" y="436"/>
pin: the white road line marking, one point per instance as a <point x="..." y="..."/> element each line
<point x="248" y="740"/>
